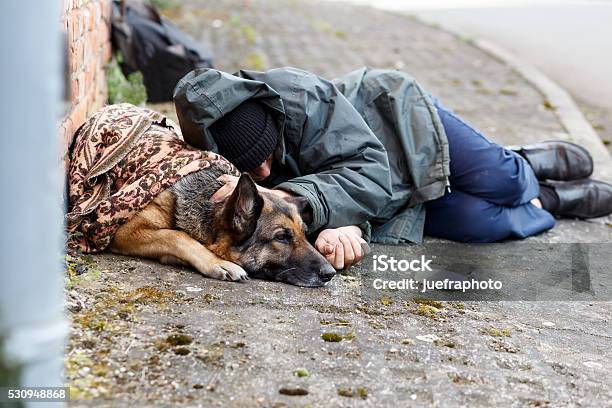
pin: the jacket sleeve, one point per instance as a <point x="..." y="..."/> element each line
<point x="344" y="167"/>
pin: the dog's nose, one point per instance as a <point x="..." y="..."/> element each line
<point x="326" y="272"/>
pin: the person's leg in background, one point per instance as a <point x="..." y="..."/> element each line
<point x="491" y="190"/>
<point x="466" y="218"/>
<point x="483" y="168"/>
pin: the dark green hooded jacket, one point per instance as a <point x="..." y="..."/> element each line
<point x="367" y="147"/>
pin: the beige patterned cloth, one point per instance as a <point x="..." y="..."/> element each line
<point x="122" y="158"/>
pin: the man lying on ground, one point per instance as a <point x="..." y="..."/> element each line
<point x="378" y="158"/>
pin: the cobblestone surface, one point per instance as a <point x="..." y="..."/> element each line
<point x="333" y="39"/>
<point x="147" y="334"/>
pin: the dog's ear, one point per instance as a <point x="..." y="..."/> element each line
<point x="244" y="208"/>
<point x="303" y="207"/>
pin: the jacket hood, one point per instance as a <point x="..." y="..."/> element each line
<point x="205" y="95"/>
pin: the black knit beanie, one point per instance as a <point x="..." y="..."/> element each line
<point x="246" y="136"/>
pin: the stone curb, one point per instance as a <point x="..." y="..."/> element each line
<point x="573" y="121"/>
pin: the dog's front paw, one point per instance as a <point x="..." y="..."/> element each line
<point x="226" y="270"/>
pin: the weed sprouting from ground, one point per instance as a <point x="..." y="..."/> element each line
<point x="122" y="89"/>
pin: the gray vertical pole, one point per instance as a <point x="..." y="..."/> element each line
<point x="32" y="322"/>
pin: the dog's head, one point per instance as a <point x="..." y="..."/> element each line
<point x="264" y="234"/>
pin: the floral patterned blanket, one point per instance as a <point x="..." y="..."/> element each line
<point x="122" y="158"/>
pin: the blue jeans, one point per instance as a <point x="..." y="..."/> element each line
<point x="490" y="190"/>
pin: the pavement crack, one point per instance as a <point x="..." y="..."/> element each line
<point x="572" y="330"/>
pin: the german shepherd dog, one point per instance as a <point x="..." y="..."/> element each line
<point x="248" y="234"/>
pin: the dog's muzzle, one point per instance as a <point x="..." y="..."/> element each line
<point x="327" y="272"/>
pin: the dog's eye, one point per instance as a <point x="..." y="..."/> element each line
<point x="284" y="237"/>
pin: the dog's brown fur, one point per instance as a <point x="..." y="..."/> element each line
<point x="248" y="232"/>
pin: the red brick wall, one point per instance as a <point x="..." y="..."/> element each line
<point x="87" y="27"/>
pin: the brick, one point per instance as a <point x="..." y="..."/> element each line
<point x="75" y="25"/>
<point x="74" y="90"/>
<point x="78" y="115"/>
<point x="101" y="82"/>
<point x="83" y="87"/>
<point x="91" y="7"/>
<point x="85" y="102"/>
<point x="93" y="49"/>
<point x="103" y="32"/>
<point x="86" y="53"/>
<point x="92" y="43"/>
<point x="81" y="54"/>
<point x="101" y="100"/>
<point x="89" y="77"/>
<point x="86" y="23"/>
<point x="100" y="5"/>
<point x="91" y="99"/>
<point x="71" y="27"/>
<point x="72" y="60"/>
<point x="95" y="83"/>
<point x="84" y="20"/>
<point x="107" y="52"/>
<point x="97" y="12"/>
<point x="76" y="57"/>
<point x="106" y="10"/>
<point x="70" y="37"/>
<point x="95" y="101"/>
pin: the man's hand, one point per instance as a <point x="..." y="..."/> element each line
<point x="342" y="247"/>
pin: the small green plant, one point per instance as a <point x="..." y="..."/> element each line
<point x="386" y="301"/>
<point x="255" y="61"/>
<point x="327" y="28"/>
<point x="301" y="372"/>
<point x="164" y="4"/>
<point x="495" y="332"/>
<point x="331" y="337"/>
<point x="122" y="89"/>
<point x="249" y="33"/>
<point x="351" y="392"/>
<point x="335" y="337"/>
<point x="79" y="267"/>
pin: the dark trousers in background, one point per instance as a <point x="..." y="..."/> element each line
<point x="491" y="190"/>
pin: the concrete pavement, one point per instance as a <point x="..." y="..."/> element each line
<point x="147" y="334"/>
<point x="567" y="40"/>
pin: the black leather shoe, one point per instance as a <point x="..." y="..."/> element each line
<point x="582" y="198"/>
<point x="557" y="160"/>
